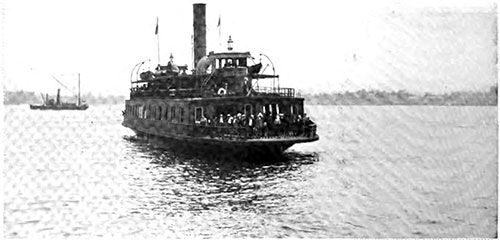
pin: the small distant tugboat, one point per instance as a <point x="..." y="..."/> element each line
<point x="57" y="104"/>
<point x="219" y="105"/>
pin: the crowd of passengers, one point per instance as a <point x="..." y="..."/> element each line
<point x="145" y="87"/>
<point x="262" y="125"/>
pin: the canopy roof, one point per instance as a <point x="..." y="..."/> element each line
<point x="230" y="55"/>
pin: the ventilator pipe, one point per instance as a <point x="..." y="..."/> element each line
<point x="274" y="71"/>
<point x="137" y="66"/>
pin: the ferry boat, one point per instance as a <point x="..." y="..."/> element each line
<point x="218" y="104"/>
<point x="57" y="104"/>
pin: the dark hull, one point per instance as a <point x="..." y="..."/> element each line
<point x="217" y="151"/>
<point x="45" y="107"/>
<point x="261" y="148"/>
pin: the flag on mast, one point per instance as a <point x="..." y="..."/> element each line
<point x="157" y="40"/>
<point x="156" y="30"/>
<point x="218" y="26"/>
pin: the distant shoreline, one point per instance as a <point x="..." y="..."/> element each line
<point x="363" y="97"/>
<point x="359" y="98"/>
<point x="25" y="97"/>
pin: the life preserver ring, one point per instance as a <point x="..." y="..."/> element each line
<point x="222" y="92"/>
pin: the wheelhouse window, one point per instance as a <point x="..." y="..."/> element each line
<point x="242" y="62"/>
<point x="159" y="114"/>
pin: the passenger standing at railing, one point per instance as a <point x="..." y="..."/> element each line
<point x="250" y="121"/>
<point x="243" y="121"/>
<point x="305" y="124"/>
<point x="288" y="123"/>
<point x="237" y="120"/>
<point x="298" y="125"/>
<point x="249" y="125"/>
<point x="307" y="120"/>
<point x="234" y="121"/>
<point x="203" y="121"/>
<point x="284" y="125"/>
<point x="259" y="125"/>
<point x="220" y="121"/>
<point x="277" y="125"/>
<point x="268" y="125"/>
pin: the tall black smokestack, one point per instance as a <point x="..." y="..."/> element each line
<point x="200" y="32"/>
<point x="58" y="101"/>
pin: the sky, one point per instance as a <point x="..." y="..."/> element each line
<point x="315" y="46"/>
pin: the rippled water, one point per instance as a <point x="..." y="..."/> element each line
<point x="390" y="171"/>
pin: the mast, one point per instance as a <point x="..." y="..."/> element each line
<point x="78" y="89"/>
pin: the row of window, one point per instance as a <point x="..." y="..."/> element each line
<point x="156" y="112"/>
<point x="177" y="114"/>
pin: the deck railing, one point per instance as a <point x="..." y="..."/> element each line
<point x="284" y="92"/>
<point x="241" y="133"/>
<point x="196" y="92"/>
<point x="190" y="92"/>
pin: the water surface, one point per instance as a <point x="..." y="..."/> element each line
<point x="377" y="171"/>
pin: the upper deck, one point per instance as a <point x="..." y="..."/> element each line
<point x="162" y="89"/>
<point x="224" y="74"/>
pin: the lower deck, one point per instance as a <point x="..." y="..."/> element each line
<point x="219" y="134"/>
<point x="244" y="121"/>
